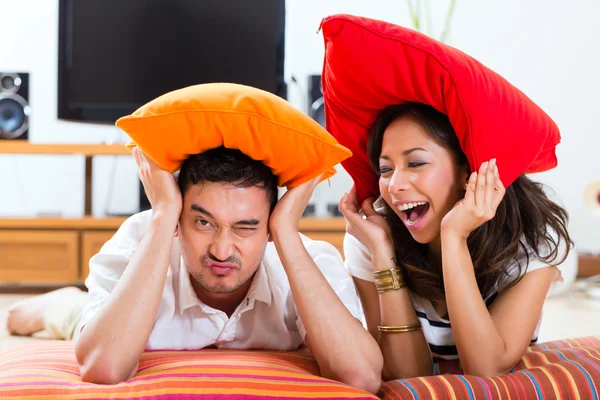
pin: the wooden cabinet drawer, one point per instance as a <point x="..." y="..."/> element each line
<point x="41" y="256"/>
<point x="91" y="243"/>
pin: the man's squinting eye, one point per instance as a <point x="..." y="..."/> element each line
<point x="202" y="222"/>
<point x="244" y="230"/>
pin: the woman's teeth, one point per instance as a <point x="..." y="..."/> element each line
<point x="408" y="206"/>
<point x="412" y="213"/>
<point x="410" y="222"/>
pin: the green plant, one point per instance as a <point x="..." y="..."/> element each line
<point x="416" y="7"/>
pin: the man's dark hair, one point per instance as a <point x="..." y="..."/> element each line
<point x="223" y="165"/>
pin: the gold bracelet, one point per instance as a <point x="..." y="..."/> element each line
<point x="399" y="328"/>
<point x="389" y="279"/>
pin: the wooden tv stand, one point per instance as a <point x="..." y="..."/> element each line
<point x="87" y="150"/>
<point x="52" y="252"/>
<point x="56" y="251"/>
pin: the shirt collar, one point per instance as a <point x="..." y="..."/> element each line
<point x="260" y="289"/>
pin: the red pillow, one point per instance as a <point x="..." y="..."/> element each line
<point x="372" y="64"/>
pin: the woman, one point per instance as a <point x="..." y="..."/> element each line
<point x="449" y="245"/>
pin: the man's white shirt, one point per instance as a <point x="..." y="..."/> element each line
<point x="266" y="319"/>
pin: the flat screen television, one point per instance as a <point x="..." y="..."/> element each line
<point x="116" y="55"/>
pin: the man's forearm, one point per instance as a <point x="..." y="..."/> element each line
<point x="110" y="345"/>
<point x="344" y="350"/>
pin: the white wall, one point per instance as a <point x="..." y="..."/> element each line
<point x="548" y="48"/>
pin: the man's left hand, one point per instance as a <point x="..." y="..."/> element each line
<point x="288" y="211"/>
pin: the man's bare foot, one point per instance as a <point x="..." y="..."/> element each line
<point x="26" y="317"/>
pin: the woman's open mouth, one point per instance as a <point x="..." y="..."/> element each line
<point x="413" y="213"/>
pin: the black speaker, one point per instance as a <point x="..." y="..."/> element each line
<point x="14" y="105"/>
<point x="316" y="108"/>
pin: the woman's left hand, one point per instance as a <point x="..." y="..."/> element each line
<point x="483" y="195"/>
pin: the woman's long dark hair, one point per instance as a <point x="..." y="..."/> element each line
<point x="527" y="223"/>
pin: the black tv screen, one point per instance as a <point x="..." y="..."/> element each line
<point x="116" y="55"/>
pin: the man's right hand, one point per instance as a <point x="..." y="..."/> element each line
<point x="160" y="186"/>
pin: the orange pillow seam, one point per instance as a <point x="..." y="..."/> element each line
<point x="133" y="117"/>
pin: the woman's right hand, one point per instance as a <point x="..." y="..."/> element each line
<point x="160" y="186"/>
<point x="373" y="231"/>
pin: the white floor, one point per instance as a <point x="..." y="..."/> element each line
<point x="570" y="315"/>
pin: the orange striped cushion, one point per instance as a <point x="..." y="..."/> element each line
<point x="48" y="370"/>
<point x="564" y="369"/>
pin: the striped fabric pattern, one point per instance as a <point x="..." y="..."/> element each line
<point x="564" y="369"/>
<point x="48" y="370"/>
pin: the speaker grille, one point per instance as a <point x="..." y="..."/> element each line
<point x="14" y="105"/>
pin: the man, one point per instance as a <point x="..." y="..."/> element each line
<point x="218" y="261"/>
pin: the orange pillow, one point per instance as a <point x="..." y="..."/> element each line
<point x="261" y="125"/>
<point x="48" y="370"/>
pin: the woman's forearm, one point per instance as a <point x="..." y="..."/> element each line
<point x="480" y="346"/>
<point x="405" y="354"/>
